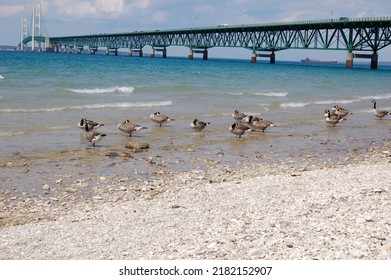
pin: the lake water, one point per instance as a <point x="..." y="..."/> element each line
<point x="44" y="95"/>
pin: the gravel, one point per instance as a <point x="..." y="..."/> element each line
<point x="279" y="212"/>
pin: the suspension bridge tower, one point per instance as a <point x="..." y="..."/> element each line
<point x="23" y="33"/>
<point x="35" y="31"/>
<point x="35" y="24"/>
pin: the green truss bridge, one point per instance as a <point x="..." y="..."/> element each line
<point x="359" y="37"/>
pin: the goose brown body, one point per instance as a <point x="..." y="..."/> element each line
<point x="379" y="113"/>
<point x="239" y="129"/>
<point x="88" y="124"/>
<point x="159" y="118"/>
<point x="238" y="115"/>
<point x="198" y="125"/>
<point x="129" y="127"/>
<point x="92" y="136"/>
<point x="332" y="119"/>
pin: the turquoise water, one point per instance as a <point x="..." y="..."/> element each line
<point x="44" y="95"/>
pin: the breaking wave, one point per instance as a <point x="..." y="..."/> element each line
<point x="271" y="94"/>
<point x="265" y="94"/>
<point x="334" y="102"/>
<point x="90" y="106"/>
<point x="103" y="90"/>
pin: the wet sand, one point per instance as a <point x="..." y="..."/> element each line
<point x="175" y="147"/>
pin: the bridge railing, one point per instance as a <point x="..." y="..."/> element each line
<point x="332" y="20"/>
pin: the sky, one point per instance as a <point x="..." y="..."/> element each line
<point x="82" y="17"/>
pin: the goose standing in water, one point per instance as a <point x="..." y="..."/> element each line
<point x="378" y="112"/>
<point x="129" y="127"/>
<point x="160" y="118"/>
<point x="198" y="125"/>
<point x="239" y="129"/>
<point x="332" y="119"/>
<point x="92" y="136"/>
<point x="238" y="115"/>
<point x="88" y="124"/>
<point x="339" y="111"/>
<point x="258" y="123"/>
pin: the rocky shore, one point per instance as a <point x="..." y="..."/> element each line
<point x="283" y="211"/>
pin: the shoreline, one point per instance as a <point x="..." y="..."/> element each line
<point x="286" y="210"/>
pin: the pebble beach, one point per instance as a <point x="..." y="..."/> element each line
<point x="335" y="210"/>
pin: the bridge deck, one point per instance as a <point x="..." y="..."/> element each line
<point x="354" y="34"/>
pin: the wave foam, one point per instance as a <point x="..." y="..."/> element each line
<point x="90" y="106"/>
<point x="266" y="94"/>
<point x="381" y="96"/>
<point x="1" y="77"/>
<point x="271" y="94"/>
<point x="104" y="90"/>
<point x="295" y="104"/>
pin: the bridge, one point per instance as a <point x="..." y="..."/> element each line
<point x="360" y="37"/>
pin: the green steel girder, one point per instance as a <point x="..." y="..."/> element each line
<point x="36" y="38"/>
<point x="364" y="34"/>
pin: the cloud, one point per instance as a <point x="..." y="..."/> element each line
<point x="91" y="9"/>
<point x="10" y="10"/>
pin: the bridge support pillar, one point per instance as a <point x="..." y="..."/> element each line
<point x="79" y="49"/>
<point x="140" y="52"/>
<point x="349" y="60"/>
<point x="163" y="50"/>
<point x="272" y="58"/>
<point x="93" y="50"/>
<point x="205" y="55"/>
<point x="374" y="59"/>
<point x="191" y="54"/>
<point x="113" y="50"/>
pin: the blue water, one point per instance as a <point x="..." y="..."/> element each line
<point x="44" y="95"/>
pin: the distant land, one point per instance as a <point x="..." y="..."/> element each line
<point x="7" y="48"/>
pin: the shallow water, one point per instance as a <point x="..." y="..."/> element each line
<point x="44" y="95"/>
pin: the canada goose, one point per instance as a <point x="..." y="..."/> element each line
<point x="258" y="123"/>
<point x="238" y="115"/>
<point x="239" y="129"/>
<point x="198" y="125"/>
<point x="249" y="120"/>
<point x="339" y="111"/>
<point x="379" y="113"/>
<point x="92" y="136"/>
<point x="332" y="113"/>
<point x="332" y="119"/>
<point x="87" y="125"/>
<point x="160" y="118"/>
<point x="129" y="127"/>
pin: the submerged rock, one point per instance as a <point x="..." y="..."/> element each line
<point x="137" y="146"/>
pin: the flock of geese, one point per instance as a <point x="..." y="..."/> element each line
<point x="244" y="123"/>
<point x="338" y="114"/>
